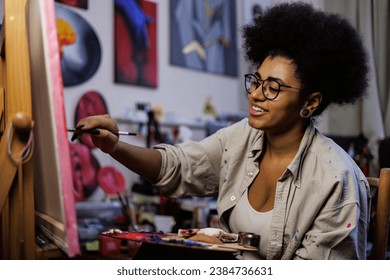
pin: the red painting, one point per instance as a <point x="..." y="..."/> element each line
<point x="135" y="24"/>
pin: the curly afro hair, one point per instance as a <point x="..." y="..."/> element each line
<point x="327" y="50"/>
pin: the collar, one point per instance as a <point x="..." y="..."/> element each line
<point x="295" y="165"/>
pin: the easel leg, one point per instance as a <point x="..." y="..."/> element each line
<point x="15" y="200"/>
<point x="29" y="212"/>
<point x="4" y="234"/>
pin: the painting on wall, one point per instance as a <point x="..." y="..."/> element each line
<point x="86" y="168"/>
<point x="135" y="28"/>
<point x="203" y="35"/>
<point x="80" y="49"/>
<point x="97" y="187"/>
<point x="83" y="4"/>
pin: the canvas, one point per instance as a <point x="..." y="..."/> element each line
<point x="135" y="43"/>
<point x="203" y="36"/>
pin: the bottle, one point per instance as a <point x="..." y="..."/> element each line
<point x="351" y="150"/>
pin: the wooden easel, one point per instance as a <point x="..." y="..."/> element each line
<point x="17" y="225"/>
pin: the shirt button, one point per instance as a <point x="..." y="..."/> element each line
<point x="232" y="198"/>
<point x="250" y="174"/>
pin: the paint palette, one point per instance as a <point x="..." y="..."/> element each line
<point x="135" y="236"/>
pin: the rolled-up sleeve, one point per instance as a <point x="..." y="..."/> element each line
<point x="191" y="168"/>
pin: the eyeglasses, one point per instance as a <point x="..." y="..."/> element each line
<point x="269" y="87"/>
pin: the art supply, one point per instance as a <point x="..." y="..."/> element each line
<point x="182" y="241"/>
<point x="251" y="240"/>
<point x="97" y="132"/>
<point x="126" y="209"/>
<point x="135" y="236"/>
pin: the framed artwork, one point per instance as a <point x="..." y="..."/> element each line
<point x="80" y="49"/>
<point x="203" y="35"/>
<point x="135" y="24"/>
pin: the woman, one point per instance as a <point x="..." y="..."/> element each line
<point x="274" y="173"/>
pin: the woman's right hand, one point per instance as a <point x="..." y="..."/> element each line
<point x="106" y="139"/>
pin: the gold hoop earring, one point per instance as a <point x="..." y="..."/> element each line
<point x="305" y="113"/>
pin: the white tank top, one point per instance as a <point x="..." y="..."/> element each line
<point x="246" y="219"/>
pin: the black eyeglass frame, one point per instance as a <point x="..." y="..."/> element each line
<point x="261" y="82"/>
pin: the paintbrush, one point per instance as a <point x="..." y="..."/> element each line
<point x="94" y="131"/>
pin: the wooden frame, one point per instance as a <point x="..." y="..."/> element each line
<point x="17" y="224"/>
<point x="37" y="193"/>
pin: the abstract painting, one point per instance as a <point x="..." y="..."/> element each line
<point x="203" y="35"/>
<point x="80" y="49"/>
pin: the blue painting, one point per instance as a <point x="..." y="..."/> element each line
<point x="203" y="35"/>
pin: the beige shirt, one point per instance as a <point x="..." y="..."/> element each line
<point x="321" y="202"/>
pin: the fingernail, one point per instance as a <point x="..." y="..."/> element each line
<point x="80" y="126"/>
<point x="74" y="137"/>
<point x="94" y="131"/>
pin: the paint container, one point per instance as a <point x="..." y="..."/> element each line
<point x="248" y="239"/>
<point x="241" y="235"/>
